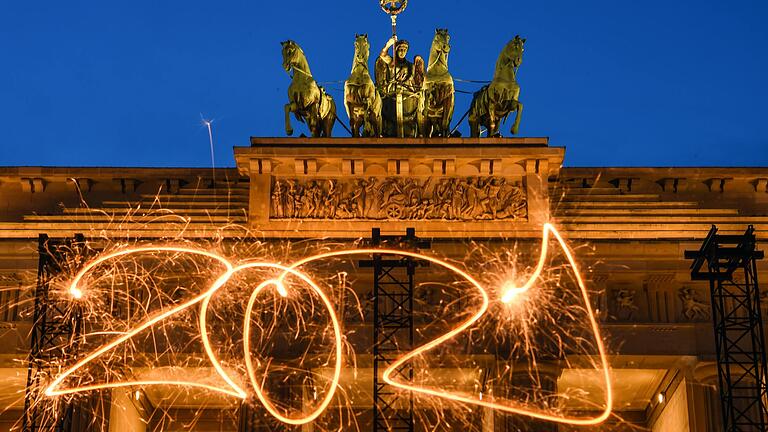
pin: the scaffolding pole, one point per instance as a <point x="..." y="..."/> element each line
<point x="56" y="330"/>
<point x="729" y="263"/>
<point x="393" y="283"/>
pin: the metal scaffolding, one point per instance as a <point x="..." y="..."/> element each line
<point x="393" y="283"/>
<point x="251" y="419"/>
<point x="57" y="326"/>
<point x="739" y="340"/>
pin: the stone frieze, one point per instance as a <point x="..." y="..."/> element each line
<point x="473" y="198"/>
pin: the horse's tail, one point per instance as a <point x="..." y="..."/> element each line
<point x="332" y="109"/>
<point x="335" y="118"/>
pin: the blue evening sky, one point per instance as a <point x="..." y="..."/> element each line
<point x="621" y="82"/>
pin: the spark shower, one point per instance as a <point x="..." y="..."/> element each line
<point x="290" y="278"/>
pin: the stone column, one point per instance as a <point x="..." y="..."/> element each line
<point x="548" y="374"/>
<point x="259" y="200"/>
<point x="308" y="400"/>
<point x="704" y="398"/>
<point x="488" y="420"/>
<point x="124" y="416"/>
<point x="537" y="190"/>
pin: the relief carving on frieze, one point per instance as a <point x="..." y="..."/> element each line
<point x="399" y="198"/>
<point x="625" y="303"/>
<point x="693" y="307"/>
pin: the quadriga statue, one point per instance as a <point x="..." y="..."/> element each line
<point x="306" y="100"/>
<point x="497" y="100"/>
<point x="399" y="82"/>
<point x="438" y="89"/>
<point x="361" y="99"/>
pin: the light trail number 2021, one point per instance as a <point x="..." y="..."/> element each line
<point x="234" y="389"/>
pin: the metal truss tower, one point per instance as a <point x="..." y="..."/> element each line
<point x="729" y="263"/>
<point x="252" y="420"/>
<point x="393" y="283"/>
<point x="57" y="325"/>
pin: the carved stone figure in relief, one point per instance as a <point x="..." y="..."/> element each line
<point x="278" y="199"/>
<point x="397" y="198"/>
<point x="471" y="197"/>
<point x="347" y="207"/>
<point x="312" y="196"/>
<point x="365" y="192"/>
<point x="692" y="306"/>
<point x="625" y="302"/>
<point x="491" y="200"/>
<point x="457" y="201"/>
<point x="513" y="205"/>
<point x="293" y="198"/>
<point x="332" y="199"/>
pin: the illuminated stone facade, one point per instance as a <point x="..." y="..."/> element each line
<point x="629" y="227"/>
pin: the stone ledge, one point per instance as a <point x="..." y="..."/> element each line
<point x="395" y="142"/>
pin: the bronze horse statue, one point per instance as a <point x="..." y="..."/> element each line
<point x="495" y="101"/>
<point x="361" y="99"/>
<point x="306" y="100"/>
<point x="438" y="89"/>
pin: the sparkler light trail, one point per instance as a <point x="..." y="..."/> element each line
<point x="278" y="283"/>
<point x="78" y="293"/>
<point x="507" y="293"/>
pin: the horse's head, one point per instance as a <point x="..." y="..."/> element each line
<point x="362" y="49"/>
<point x="513" y="52"/>
<point x="438" y="54"/>
<point x="442" y="41"/>
<point x="291" y="54"/>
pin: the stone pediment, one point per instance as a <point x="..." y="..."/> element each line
<point x="451" y="187"/>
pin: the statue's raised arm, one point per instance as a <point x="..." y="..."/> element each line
<point x="383" y="62"/>
<point x="392" y="73"/>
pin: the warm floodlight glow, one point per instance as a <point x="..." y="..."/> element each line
<point x="509" y="292"/>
